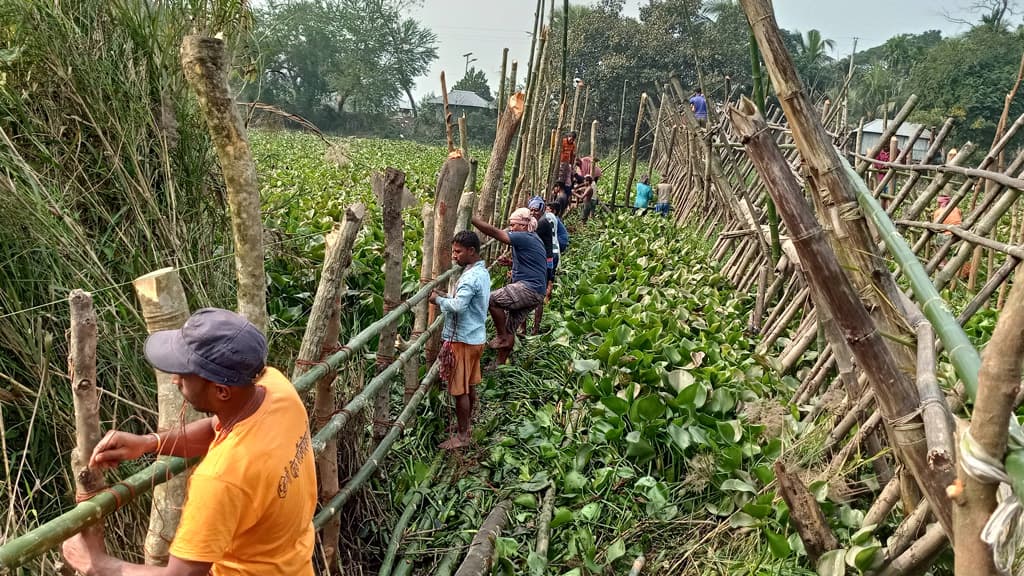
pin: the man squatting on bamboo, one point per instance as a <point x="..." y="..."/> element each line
<point x="250" y="503"/>
<point x="464" y="333"/>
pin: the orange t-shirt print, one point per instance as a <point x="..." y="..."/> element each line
<point x="251" y="500"/>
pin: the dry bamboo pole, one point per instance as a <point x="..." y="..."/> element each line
<point x="854" y="415"/>
<point x="981" y="298"/>
<point x="450" y="183"/>
<point x="501" y="86"/>
<point x="805" y="514"/>
<point x="657" y="133"/>
<point x="867" y="428"/>
<point x="508" y="126"/>
<point x="883" y="504"/>
<point x="388" y="187"/>
<point x="636" y="144"/>
<point x="907" y="531"/>
<point x="783" y="321"/>
<point x="544" y="532"/>
<point x="575" y="105"/>
<point x="447" y="115"/>
<point x="1001" y="178"/>
<point x="933" y="149"/>
<point x="164" y="307"/>
<point x="896" y="394"/>
<point x="998" y="380"/>
<point x="421" y="311"/>
<point x="337" y="259"/>
<point x="481" y="549"/>
<point x="938" y="422"/>
<point x="1009" y="249"/>
<point x="205" y="63"/>
<point x="888" y="132"/>
<point x="921" y="554"/>
<point x="463" y="136"/>
<point x="319" y="341"/>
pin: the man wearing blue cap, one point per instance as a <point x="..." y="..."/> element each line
<point x="250" y="502"/>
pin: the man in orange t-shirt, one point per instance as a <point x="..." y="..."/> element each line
<point x="250" y="502"/>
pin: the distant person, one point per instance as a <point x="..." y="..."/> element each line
<point x="586" y="195"/>
<point x="560" y="196"/>
<point x="642" y="199"/>
<point x="954" y="218"/>
<point x="510" y="305"/>
<point x="589" y="167"/>
<point x="464" y="333"/>
<point x="664" y="199"/>
<point x="547" y="229"/>
<point x="880" y="169"/>
<point x="250" y="501"/>
<point x="567" y="158"/>
<point x="951" y="155"/>
<point x="699" y="105"/>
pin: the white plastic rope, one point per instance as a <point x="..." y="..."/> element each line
<point x="1004" y="531"/>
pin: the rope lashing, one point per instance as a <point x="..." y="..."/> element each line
<point x="1004" y="531"/>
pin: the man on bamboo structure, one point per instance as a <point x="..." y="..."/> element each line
<point x="465" y="315"/>
<point x="511" y="304"/>
<point x="699" y="105"/>
<point x="567" y="160"/>
<point x="250" y="502"/>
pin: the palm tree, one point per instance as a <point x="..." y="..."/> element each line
<point x="812" y="48"/>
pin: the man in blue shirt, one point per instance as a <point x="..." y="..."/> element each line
<point x="510" y="305"/>
<point x="464" y="331"/>
<point x="700" y="107"/>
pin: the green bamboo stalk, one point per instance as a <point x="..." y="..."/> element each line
<point x="403" y="521"/>
<point x="525" y="125"/>
<point x="544" y="531"/>
<point x="359" y="401"/>
<point x="961" y="353"/>
<point x="24" y="548"/>
<point x="373" y="462"/>
<point x="565" y="50"/>
<point x="306" y="381"/>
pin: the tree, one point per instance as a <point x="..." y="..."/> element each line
<point x="475" y="81"/>
<point x="813" y="61"/>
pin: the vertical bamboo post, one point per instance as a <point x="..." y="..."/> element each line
<point x="501" y="85"/>
<point x="657" y="133"/>
<point x="512" y="80"/>
<point x="575" y="105"/>
<point x="508" y="126"/>
<point x="636" y="146"/>
<point x="164" y="307"/>
<point x="205" y="62"/>
<point x="82" y="373"/>
<point x="447" y="114"/>
<point x="421" y="311"/>
<point x="618" y="151"/>
<point x="463" y="136"/>
<point x="320" y="341"/>
<point x="593" y="145"/>
<point x="450" y="183"/>
<point x="388" y="188"/>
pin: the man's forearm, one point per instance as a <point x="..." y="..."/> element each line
<point x="188" y="442"/>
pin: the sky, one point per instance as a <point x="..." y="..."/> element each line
<point x="485" y="27"/>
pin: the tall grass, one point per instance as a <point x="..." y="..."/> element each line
<point x="106" y="173"/>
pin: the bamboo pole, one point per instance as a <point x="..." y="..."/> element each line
<point x="205" y="63"/>
<point x="17" y="552"/>
<point x="337" y="260"/>
<point x="398" y="533"/>
<point x="358" y="402"/>
<point x="360" y="478"/>
<point x="421" y="311"/>
<point x="501" y="85"/>
<point x="897" y="396"/>
<point x="388" y="188"/>
<point x="805" y="514"/>
<point x="450" y="183"/>
<point x="618" y="153"/>
<point x="636" y="145"/>
<point x="447" y="115"/>
<point x="1009" y="249"/>
<point x="544" y="532"/>
<point x="85" y="397"/>
<point x="883" y="504"/>
<point x="575" y="106"/>
<point x="481" y="549"/>
<point x="508" y="125"/>
<point x="921" y="554"/>
<point x="164" y="307"/>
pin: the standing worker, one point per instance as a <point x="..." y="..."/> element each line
<point x="250" y="502"/>
<point x="510" y="305"/>
<point x="567" y="160"/>
<point x="642" y="199"/>
<point x="699" y="105"/>
<point x="664" y="198"/>
<point x="464" y="332"/>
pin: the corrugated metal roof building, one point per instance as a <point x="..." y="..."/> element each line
<point x="464" y="99"/>
<point x="873" y="131"/>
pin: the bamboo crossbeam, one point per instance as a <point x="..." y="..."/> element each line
<point x="377" y="456"/>
<point x="307" y="380"/>
<point x="1008" y="249"/>
<point x="20" y="550"/>
<point x="961" y="353"/>
<point x="997" y="177"/>
<point x="359" y="402"/>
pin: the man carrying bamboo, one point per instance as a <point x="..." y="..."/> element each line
<point x="511" y="304"/>
<point x="250" y="502"/>
<point x="464" y="332"/>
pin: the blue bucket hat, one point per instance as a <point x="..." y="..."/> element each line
<point x="217" y="344"/>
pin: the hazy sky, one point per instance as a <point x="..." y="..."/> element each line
<point x="484" y="27"/>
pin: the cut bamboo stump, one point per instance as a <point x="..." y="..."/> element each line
<point x="481" y="550"/>
<point x="388" y="188"/>
<point x="205" y="62"/>
<point x="450" y="183"/>
<point x="508" y="127"/>
<point x="805" y="514"/>
<point x="164" y="307"/>
<point x="422" y="310"/>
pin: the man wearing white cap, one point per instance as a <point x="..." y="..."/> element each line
<point x="510" y="305"/>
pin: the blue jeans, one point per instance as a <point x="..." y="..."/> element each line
<point x="662" y="208"/>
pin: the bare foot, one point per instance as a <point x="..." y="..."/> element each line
<point x="455" y="442"/>
<point x="500" y="342"/>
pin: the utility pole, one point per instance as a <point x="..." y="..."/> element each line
<point x="466" y="56"/>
